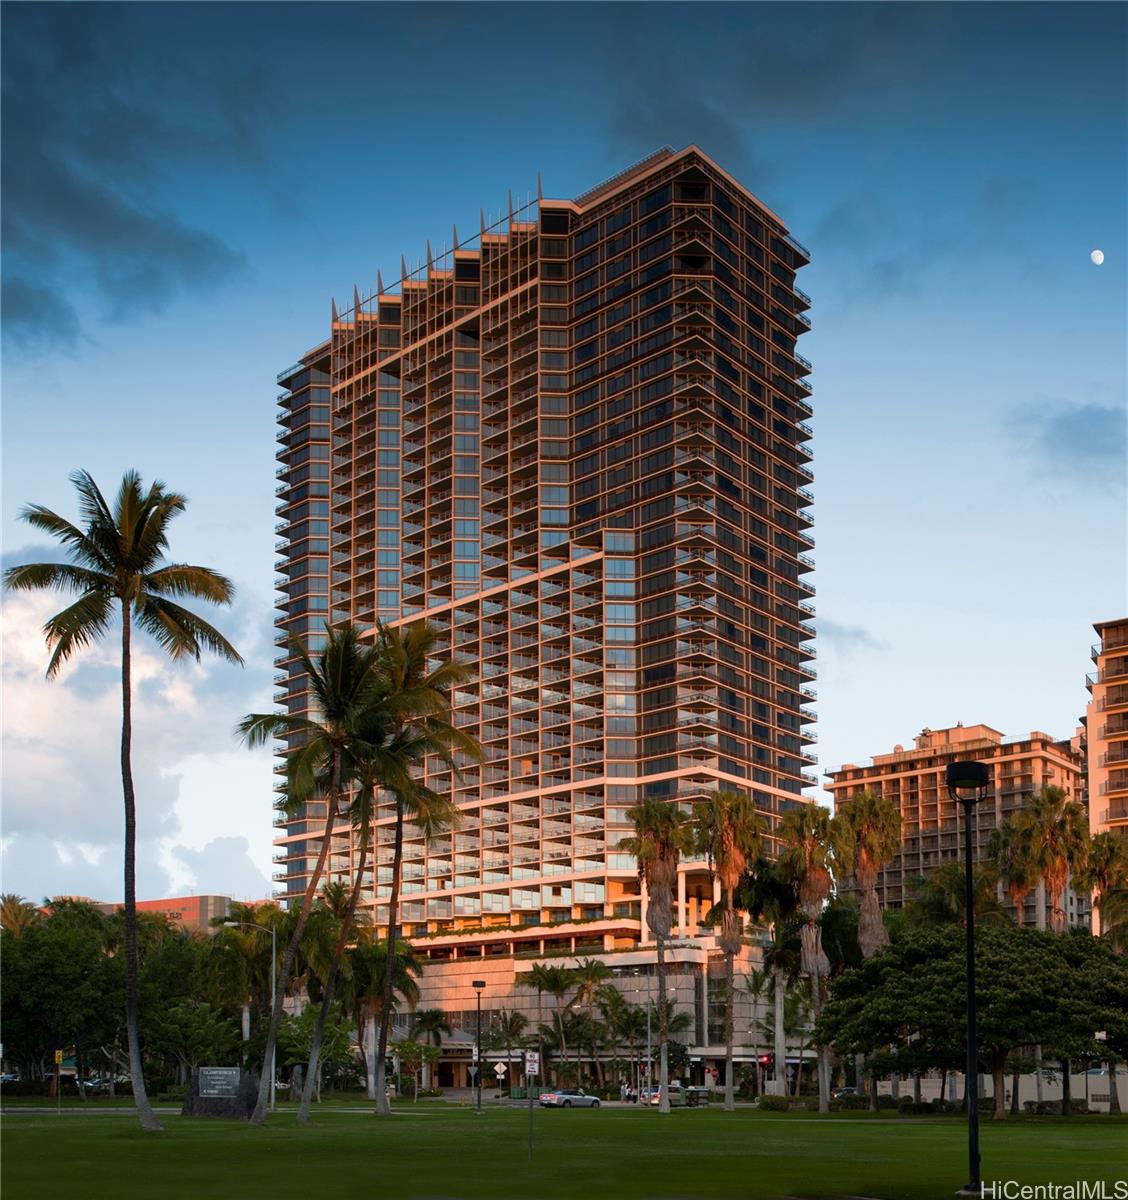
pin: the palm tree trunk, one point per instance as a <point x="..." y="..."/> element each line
<point x="730" y="1005"/>
<point x="383" y="1108"/>
<point x="780" y="1035"/>
<point x="663" y="1030"/>
<point x="1016" y="1105"/>
<point x="258" y="1117"/>
<point x="145" y="1113"/>
<point x="1066" y="1087"/>
<point x="330" y="984"/>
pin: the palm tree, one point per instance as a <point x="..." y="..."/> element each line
<point x="1008" y="848"/>
<point x="1057" y="832"/>
<point x="729" y="832"/>
<point x="363" y="989"/>
<point x="756" y="984"/>
<point x="17" y="915"/>
<point x="342" y="681"/>
<point x="1104" y="873"/>
<point x="871" y="836"/>
<point x="940" y="897"/>
<point x="558" y="982"/>
<point x="810" y="841"/>
<point x="768" y="897"/>
<point x="589" y="977"/>
<point x="418" y="698"/>
<point x="509" y="1031"/>
<point x="432" y="1024"/>
<point x="117" y="565"/>
<point x="661" y="836"/>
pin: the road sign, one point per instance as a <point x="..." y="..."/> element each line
<point x="532" y="1062"/>
<point x="58" y="1057"/>
<point x="474" y="1053"/>
<point x="500" y="1070"/>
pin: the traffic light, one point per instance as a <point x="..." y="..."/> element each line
<point x="767" y="1060"/>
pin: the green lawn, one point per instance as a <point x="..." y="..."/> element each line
<point x="437" y="1150"/>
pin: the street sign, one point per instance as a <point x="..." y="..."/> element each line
<point x="474" y="1054"/>
<point x="219" y="1082"/>
<point x="532" y="1062"/>
<point x="58" y="1057"/>
<point x="500" y="1070"/>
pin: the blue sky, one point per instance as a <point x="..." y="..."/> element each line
<point x="186" y="186"/>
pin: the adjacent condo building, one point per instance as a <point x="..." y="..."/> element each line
<point x="931" y="821"/>
<point x="1106" y="730"/>
<point x="577" y="445"/>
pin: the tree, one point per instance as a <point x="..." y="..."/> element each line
<point x="432" y="1024"/>
<point x="729" y="832"/>
<point x="871" y="836"/>
<point x="767" y="895"/>
<point x="418" y="696"/>
<point x="1031" y="987"/>
<point x="342" y="680"/>
<point x="661" y="836"/>
<point x="363" y="990"/>
<point x="1056" y="830"/>
<point x="940" y="898"/>
<point x="809" y="841"/>
<point x="1008" y="849"/>
<point x="1104" y="873"/>
<point x="413" y="1056"/>
<point x="117" y="566"/>
<point x="509" y="1031"/>
<point x="17" y="915"/>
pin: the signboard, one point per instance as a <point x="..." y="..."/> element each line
<point x="474" y="1053"/>
<point x="219" y="1083"/>
<point x="58" y="1057"/>
<point x="500" y="1070"/>
<point x="532" y="1062"/>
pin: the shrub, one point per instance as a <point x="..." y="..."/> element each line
<point x="885" y="1101"/>
<point x="850" y="1104"/>
<point x="775" y="1103"/>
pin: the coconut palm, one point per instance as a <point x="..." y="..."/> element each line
<point x="557" y="982"/>
<point x="343" y="681"/>
<point x="729" y="832"/>
<point x="766" y="894"/>
<point x="417" y="694"/>
<point x="1008" y="848"/>
<point x="662" y="835"/>
<point x="871" y="836"/>
<point x="509" y="1031"/>
<point x="1104" y="873"/>
<point x="362" y="989"/>
<point x="1056" y="830"/>
<point x="940" y="897"/>
<point x="17" y="915"/>
<point x="810" y="841"/>
<point x="756" y="985"/>
<point x="117" y="567"/>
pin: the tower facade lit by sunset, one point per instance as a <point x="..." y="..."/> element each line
<point x="577" y="445"/>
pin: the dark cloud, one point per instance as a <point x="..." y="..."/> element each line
<point x="847" y="639"/>
<point x="108" y="112"/>
<point x="1085" y="443"/>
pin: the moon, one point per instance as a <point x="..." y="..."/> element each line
<point x="1097" y="257"/>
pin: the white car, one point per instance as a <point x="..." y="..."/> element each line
<point x="651" y="1095"/>
<point x="568" y="1098"/>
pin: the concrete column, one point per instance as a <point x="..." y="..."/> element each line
<point x="681" y="903"/>
<point x="644" y="901"/>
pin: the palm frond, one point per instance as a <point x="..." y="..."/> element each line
<point x="77" y="626"/>
<point x="41" y="576"/>
<point x="181" y="633"/>
<point x="183" y="579"/>
<point x="91" y="503"/>
<point x="257" y="729"/>
<point x="78" y="542"/>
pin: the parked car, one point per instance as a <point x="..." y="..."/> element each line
<point x="696" y="1097"/>
<point x="650" y="1095"/>
<point x="843" y="1092"/>
<point x="568" y="1098"/>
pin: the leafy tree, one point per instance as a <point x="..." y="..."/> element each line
<point x="117" y="567"/>
<point x="193" y="1032"/>
<point x="870" y="825"/>
<point x="729" y="832"/>
<point x="661" y="836"/>
<point x="413" y="1056"/>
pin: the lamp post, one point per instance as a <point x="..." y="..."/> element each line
<point x="478" y="984"/>
<point x="273" y="976"/>
<point x="968" y="784"/>
<point x="638" y="971"/>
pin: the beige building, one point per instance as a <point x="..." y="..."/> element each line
<point x="576" y="443"/>
<point x="1106" y="729"/>
<point x="931" y="828"/>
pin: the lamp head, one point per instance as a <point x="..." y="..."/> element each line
<point x="968" y="782"/>
<point x="479" y="984"/>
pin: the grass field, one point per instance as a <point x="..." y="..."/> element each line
<point x="437" y="1150"/>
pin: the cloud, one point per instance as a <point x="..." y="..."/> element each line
<point x="1084" y="443"/>
<point x="106" y="108"/>
<point x="847" y="639"/>
<point x="203" y="803"/>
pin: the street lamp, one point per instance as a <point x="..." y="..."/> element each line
<point x="273" y="976"/>
<point x="478" y="984"/>
<point x="968" y="784"/>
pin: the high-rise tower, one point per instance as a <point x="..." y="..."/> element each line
<point x="577" y="445"/>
